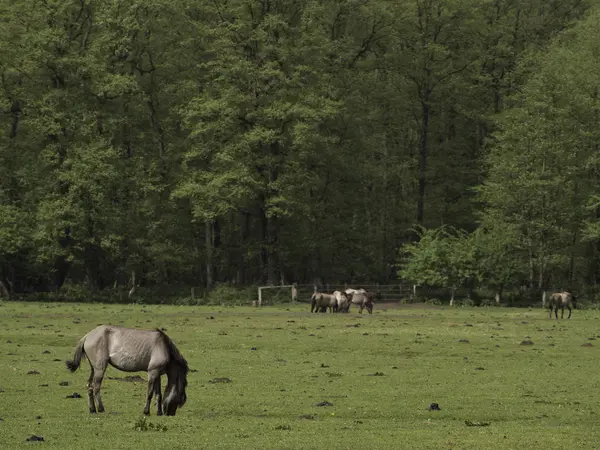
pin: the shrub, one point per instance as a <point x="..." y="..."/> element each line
<point x="464" y="302"/>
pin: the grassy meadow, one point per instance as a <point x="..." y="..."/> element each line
<point x="257" y="376"/>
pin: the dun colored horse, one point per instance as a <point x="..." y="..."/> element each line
<point x="343" y="301"/>
<point x="560" y="300"/>
<point x="361" y="298"/>
<point x="133" y="350"/>
<point x="319" y="302"/>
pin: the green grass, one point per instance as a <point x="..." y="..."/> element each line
<point x="543" y="395"/>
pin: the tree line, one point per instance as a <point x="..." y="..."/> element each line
<point x="184" y="143"/>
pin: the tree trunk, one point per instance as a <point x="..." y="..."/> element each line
<point x="544" y="294"/>
<point x="572" y="261"/>
<point x="4" y="290"/>
<point x="209" y="253"/>
<point x="271" y="252"/>
<point x="499" y="295"/>
<point x="423" y="150"/>
<point x="541" y="276"/>
<point x="264" y="251"/>
<point x="531" y="267"/>
<point x="244" y="234"/>
<point x="133" y="285"/>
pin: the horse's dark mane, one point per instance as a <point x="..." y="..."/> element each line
<point x="174" y="352"/>
<point x="177" y="359"/>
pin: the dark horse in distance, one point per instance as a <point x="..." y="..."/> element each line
<point x="133" y="350"/>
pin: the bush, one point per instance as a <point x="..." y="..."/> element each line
<point x="464" y="302"/>
<point x="433" y="301"/>
<point x="230" y="295"/>
<point x="488" y="302"/>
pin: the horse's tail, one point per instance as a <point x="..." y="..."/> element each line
<point x="73" y="364"/>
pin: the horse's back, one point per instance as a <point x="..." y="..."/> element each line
<point x="359" y="296"/>
<point x="127" y="349"/>
<point x="558" y="299"/>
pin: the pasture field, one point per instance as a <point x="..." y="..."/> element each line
<point x="379" y="373"/>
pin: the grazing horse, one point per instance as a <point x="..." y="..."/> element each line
<point x="319" y="302"/>
<point x="361" y="298"/>
<point x="560" y="300"/>
<point x="132" y="350"/>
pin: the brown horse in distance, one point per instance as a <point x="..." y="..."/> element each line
<point x="561" y="300"/>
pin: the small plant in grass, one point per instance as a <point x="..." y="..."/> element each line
<point x="142" y="424"/>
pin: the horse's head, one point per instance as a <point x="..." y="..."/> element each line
<point x="175" y="396"/>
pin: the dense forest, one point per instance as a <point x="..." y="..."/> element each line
<point x="238" y="142"/>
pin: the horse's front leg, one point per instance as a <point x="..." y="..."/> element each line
<point x="556" y="312"/>
<point x="569" y="308"/>
<point x="149" y="392"/>
<point x="562" y="312"/>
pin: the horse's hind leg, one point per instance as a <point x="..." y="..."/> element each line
<point x="556" y="312"/>
<point x="158" y="395"/>
<point x="562" y="312"/>
<point x="98" y="376"/>
<point x="90" y="389"/>
<point x="569" y="308"/>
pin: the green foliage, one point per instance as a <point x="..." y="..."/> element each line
<point x="223" y="294"/>
<point x="172" y="144"/>
<point x="443" y="257"/>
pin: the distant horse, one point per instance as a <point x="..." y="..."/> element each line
<point x="362" y="299"/>
<point x="319" y="302"/>
<point x="560" y="300"/>
<point x="343" y="301"/>
<point x="132" y="350"/>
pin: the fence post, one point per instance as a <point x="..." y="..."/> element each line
<point x="315" y="288"/>
<point x="192" y="293"/>
<point x="259" y="297"/>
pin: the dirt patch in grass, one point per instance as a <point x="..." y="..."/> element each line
<point x="129" y="379"/>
